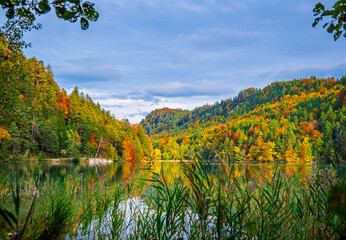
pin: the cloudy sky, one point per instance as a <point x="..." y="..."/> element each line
<point x="146" y="54"/>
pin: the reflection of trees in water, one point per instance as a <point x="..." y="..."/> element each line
<point x="257" y="173"/>
<point x="121" y="171"/>
<point x="128" y="170"/>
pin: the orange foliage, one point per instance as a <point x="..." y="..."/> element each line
<point x="129" y="150"/>
<point x="236" y="137"/>
<point x="135" y="128"/>
<point x="307" y="129"/>
<point x="92" y="139"/>
<point x="290" y="155"/>
<point x="164" y="141"/>
<point x="64" y="105"/>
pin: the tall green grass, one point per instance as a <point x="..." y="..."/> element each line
<point x="206" y="203"/>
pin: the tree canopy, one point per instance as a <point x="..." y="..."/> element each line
<point x="21" y="15"/>
<point x="300" y="120"/>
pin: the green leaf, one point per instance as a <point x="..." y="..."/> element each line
<point x="89" y="11"/>
<point x="331" y="28"/>
<point x="22" y="12"/>
<point x="5" y="214"/>
<point x="60" y="11"/>
<point x="327" y="13"/>
<point x="316" y="21"/>
<point x="75" y="1"/>
<point x="44" y="6"/>
<point x="68" y="15"/>
<point x="27" y="218"/>
<point x="84" y="23"/>
<point x="337" y="35"/>
<point x="318" y="8"/>
<point x="10" y="13"/>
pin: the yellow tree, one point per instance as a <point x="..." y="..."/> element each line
<point x="262" y="151"/>
<point x="4" y="134"/>
<point x="290" y="155"/>
<point x="306" y="152"/>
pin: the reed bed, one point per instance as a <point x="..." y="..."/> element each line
<point x="206" y="203"/>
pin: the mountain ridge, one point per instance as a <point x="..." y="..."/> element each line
<point x="299" y="102"/>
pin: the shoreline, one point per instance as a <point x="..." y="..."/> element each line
<point x="101" y="161"/>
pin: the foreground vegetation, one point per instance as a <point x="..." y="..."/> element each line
<point x="207" y="202"/>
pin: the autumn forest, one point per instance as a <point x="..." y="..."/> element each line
<point x="38" y="119"/>
<point x="268" y="163"/>
<point x="300" y="120"/>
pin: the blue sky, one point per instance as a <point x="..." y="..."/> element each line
<point x="146" y="54"/>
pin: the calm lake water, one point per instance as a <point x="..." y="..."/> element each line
<point x="118" y="171"/>
<point x="55" y="172"/>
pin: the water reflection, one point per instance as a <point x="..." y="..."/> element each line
<point x="124" y="171"/>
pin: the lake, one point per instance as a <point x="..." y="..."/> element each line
<point x="115" y="200"/>
<point x="123" y="170"/>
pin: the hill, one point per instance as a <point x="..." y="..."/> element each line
<point x="299" y="120"/>
<point x="37" y="118"/>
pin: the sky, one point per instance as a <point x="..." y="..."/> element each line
<point x="147" y="54"/>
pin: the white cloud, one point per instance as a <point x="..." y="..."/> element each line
<point x="145" y="54"/>
<point x="135" y="109"/>
<point x="178" y="89"/>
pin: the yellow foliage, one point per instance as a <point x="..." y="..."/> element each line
<point x="290" y="155"/>
<point x="157" y="155"/>
<point x="21" y="97"/>
<point x="4" y="134"/>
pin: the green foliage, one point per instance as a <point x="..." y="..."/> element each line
<point x="13" y="220"/>
<point x="338" y="14"/>
<point x="300" y="120"/>
<point x="43" y="120"/>
<point x="48" y="137"/>
<point x="58" y="218"/>
<point x="337" y="199"/>
<point x="21" y="15"/>
<point x="207" y="202"/>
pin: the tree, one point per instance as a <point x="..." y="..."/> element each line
<point x="5" y="139"/>
<point x="338" y="14"/>
<point x="48" y="137"/>
<point x="21" y="15"/>
<point x="129" y="150"/>
<point x="4" y="134"/>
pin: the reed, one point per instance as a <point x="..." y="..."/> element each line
<point x="206" y="203"/>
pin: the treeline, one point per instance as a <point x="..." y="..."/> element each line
<point x="300" y="120"/>
<point x="38" y="119"/>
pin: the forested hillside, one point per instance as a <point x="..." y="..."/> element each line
<point x="300" y="120"/>
<point x="39" y="119"/>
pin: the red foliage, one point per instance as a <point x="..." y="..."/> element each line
<point x="92" y="139"/>
<point x="64" y="105"/>
<point x="235" y="137"/>
<point x="309" y="129"/>
<point x="129" y="150"/>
